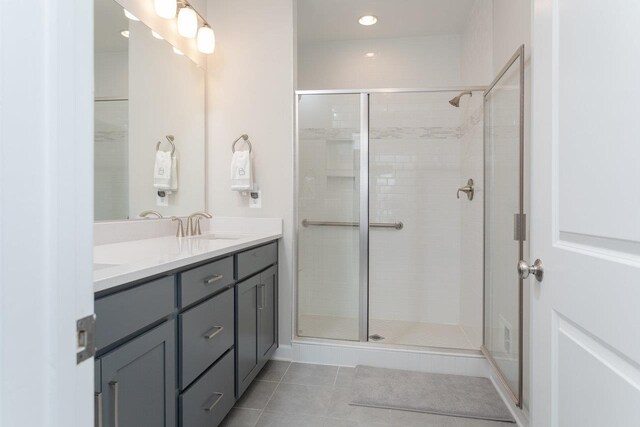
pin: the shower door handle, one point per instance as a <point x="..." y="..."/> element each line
<point x="468" y="189"/>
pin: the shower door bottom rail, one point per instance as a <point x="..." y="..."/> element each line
<point x="397" y="225"/>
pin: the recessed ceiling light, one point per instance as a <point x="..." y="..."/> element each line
<point x="370" y="54"/>
<point x="368" y="20"/>
<point x="130" y="15"/>
<point x="156" y="35"/>
<point x="124" y="33"/>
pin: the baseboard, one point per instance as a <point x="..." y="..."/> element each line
<point x="346" y="354"/>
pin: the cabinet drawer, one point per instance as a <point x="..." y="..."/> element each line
<point x="207" y="332"/>
<point x="126" y="312"/>
<point x="254" y="260"/>
<point x="199" y="282"/>
<point x="209" y="399"/>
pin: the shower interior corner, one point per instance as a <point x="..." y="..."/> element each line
<point x="424" y="279"/>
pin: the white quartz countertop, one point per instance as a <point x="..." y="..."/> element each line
<point x="119" y="263"/>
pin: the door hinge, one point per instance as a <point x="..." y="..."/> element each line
<point x="520" y="227"/>
<point x="86" y="338"/>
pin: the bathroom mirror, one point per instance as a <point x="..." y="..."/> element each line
<point x="146" y="93"/>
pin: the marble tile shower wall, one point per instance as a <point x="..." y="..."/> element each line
<point x="416" y="155"/>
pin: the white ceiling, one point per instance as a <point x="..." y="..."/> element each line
<point x="323" y="20"/>
<point x="109" y="20"/>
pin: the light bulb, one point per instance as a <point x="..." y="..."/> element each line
<point x="368" y="20"/>
<point x="130" y="15"/>
<point x="166" y="8"/>
<point x="177" y="51"/>
<point x="187" y="22"/>
<point x="156" y="35"/>
<point x="124" y="33"/>
<point x="206" y="40"/>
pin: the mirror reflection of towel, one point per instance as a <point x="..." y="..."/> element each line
<point x="165" y="171"/>
<point x="241" y="171"/>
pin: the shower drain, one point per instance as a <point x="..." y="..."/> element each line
<point x="376" y="337"/>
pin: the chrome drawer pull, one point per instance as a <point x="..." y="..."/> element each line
<point x="213" y="279"/>
<point x="215" y="402"/>
<point x="114" y="387"/>
<point x="213" y="332"/>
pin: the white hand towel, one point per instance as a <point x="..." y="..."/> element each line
<point x="165" y="176"/>
<point x="241" y="171"/>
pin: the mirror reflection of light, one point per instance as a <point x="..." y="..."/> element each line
<point x="156" y="35"/>
<point x="177" y="51"/>
<point x="130" y="15"/>
<point x="124" y="33"/>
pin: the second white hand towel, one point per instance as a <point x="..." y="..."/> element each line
<point x="241" y="171"/>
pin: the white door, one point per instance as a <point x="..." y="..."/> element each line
<point x="585" y="221"/>
<point x="46" y="211"/>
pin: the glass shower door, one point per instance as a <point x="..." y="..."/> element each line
<point x="329" y="206"/>
<point x="504" y="223"/>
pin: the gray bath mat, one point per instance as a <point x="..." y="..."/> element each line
<point x="455" y="395"/>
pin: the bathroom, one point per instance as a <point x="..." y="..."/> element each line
<point x="409" y="164"/>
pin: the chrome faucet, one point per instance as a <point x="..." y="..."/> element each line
<point x="193" y="223"/>
<point x="147" y="214"/>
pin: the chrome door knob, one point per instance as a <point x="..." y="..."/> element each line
<point x="524" y="270"/>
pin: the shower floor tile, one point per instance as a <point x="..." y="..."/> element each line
<point x="394" y="331"/>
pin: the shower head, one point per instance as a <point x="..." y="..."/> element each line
<point x="456" y="101"/>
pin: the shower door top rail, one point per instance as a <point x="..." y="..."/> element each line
<point x="389" y="90"/>
<point x="397" y="225"/>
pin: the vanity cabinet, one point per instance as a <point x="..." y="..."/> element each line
<point x="256" y="313"/>
<point x="179" y="350"/>
<point x="138" y="380"/>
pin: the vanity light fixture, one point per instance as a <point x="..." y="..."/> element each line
<point x="124" y="33"/>
<point x="187" y="22"/>
<point x="166" y="8"/>
<point x="206" y="39"/>
<point x="130" y="15"/>
<point x="177" y="51"/>
<point x="368" y="20"/>
<point x="156" y="35"/>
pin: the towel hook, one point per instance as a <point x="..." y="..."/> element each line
<point x="244" y="137"/>
<point x="170" y="138"/>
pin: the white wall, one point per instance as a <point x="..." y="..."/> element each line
<point x="398" y="62"/>
<point x="250" y="90"/>
<point x="111" y="72"/>
<point x="166" y="97"/>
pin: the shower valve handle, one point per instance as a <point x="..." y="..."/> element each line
<point x="467" y="189"/>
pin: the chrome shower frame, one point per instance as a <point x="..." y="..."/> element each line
<point x="363" y="322"/>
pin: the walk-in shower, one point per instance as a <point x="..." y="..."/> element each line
<point x="410" y="218"/>
<point x="394" y="160"/>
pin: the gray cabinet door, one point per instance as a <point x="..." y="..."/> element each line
<point x="139" y="380"/>
<point x="247" y="331"/>
<point x="268" y="313"/>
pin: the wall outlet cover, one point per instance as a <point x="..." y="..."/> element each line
<point x="162" y="201"/>
<point x="255" y="199"/>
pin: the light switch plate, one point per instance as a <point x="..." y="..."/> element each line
<point x="255" y="203"/>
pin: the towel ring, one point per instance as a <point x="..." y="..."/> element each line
<point x="170" y="138"/>
<point x="244" y="137"/>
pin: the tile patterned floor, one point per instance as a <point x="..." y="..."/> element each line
<point x="393" y="331"/>
<point x="302" y="395"/>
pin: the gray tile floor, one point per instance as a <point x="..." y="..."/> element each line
<point x="301" y="395"/>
